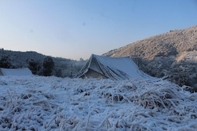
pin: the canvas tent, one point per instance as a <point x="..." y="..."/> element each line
<point x="15" y="72"/>
<point x="111" y="67"/>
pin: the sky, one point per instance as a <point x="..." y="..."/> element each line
<point x="76" y="29"/>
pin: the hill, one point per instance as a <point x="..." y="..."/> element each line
<point x="63" y="67"/>
<point x="173" y="53"/>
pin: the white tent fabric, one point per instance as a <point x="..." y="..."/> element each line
<point x="114" y="68"/>
<point x="15" y="72"/>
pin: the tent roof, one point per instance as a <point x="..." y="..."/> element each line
<point x="113" y="67"/>
<point x="16" y="72"/>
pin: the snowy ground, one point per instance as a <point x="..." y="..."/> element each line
<point x="51" y="103"/>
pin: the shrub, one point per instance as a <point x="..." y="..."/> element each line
<point x="48" y="66"/>
<point x="5" y="62"/>
<point x="34" y="66"/>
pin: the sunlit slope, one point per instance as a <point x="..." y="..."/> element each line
<point x="170" y="43"/>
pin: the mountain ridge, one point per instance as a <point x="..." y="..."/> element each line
<point x="174" y="38"/>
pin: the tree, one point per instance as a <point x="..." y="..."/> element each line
<point x="48" y="66"/>
<point x="5" y="62"/>
<point x="81" y="59"/>
<point x="34" y="66"/>
<point x="58" y="72"/>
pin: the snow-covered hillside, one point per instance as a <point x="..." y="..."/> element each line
<point x="50" y="103"/>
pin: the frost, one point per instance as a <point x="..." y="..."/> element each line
<point x="51" y="103"/>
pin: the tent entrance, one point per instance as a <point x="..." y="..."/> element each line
<point x="93" y="74"/>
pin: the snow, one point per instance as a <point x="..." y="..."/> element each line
<point x="124" y="64"/>
<point x="51" y="103"/>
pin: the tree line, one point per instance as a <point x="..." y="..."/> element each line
<point x="45" y="68"/>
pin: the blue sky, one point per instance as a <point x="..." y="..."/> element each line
<point x="77" y="28"/>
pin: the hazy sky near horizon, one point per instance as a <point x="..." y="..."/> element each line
<point x="77" y="28"/>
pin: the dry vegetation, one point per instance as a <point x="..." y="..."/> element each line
<point x="171" y="43"/>
<point x="173" y="53"/>
<point x="50" y="103"/>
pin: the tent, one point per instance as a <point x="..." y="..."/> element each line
<point x="120" y="68"/>
<point x="15" y="72"/>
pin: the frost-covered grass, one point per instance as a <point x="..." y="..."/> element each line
<point x="51" y="103"/>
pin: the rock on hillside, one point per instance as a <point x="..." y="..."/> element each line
<point x="173" y="53"/>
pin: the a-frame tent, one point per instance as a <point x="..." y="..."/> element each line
<point x="120" y="68"/>
<point x="15" y="72"/>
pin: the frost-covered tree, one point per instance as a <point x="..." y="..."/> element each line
<point x="58" y="72"/>
<point x="5" y="62"/>
<point x="34" y="66"/>
<point x="48" y="66"/>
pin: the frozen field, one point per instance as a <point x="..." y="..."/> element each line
<point x="60" y="104"/>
